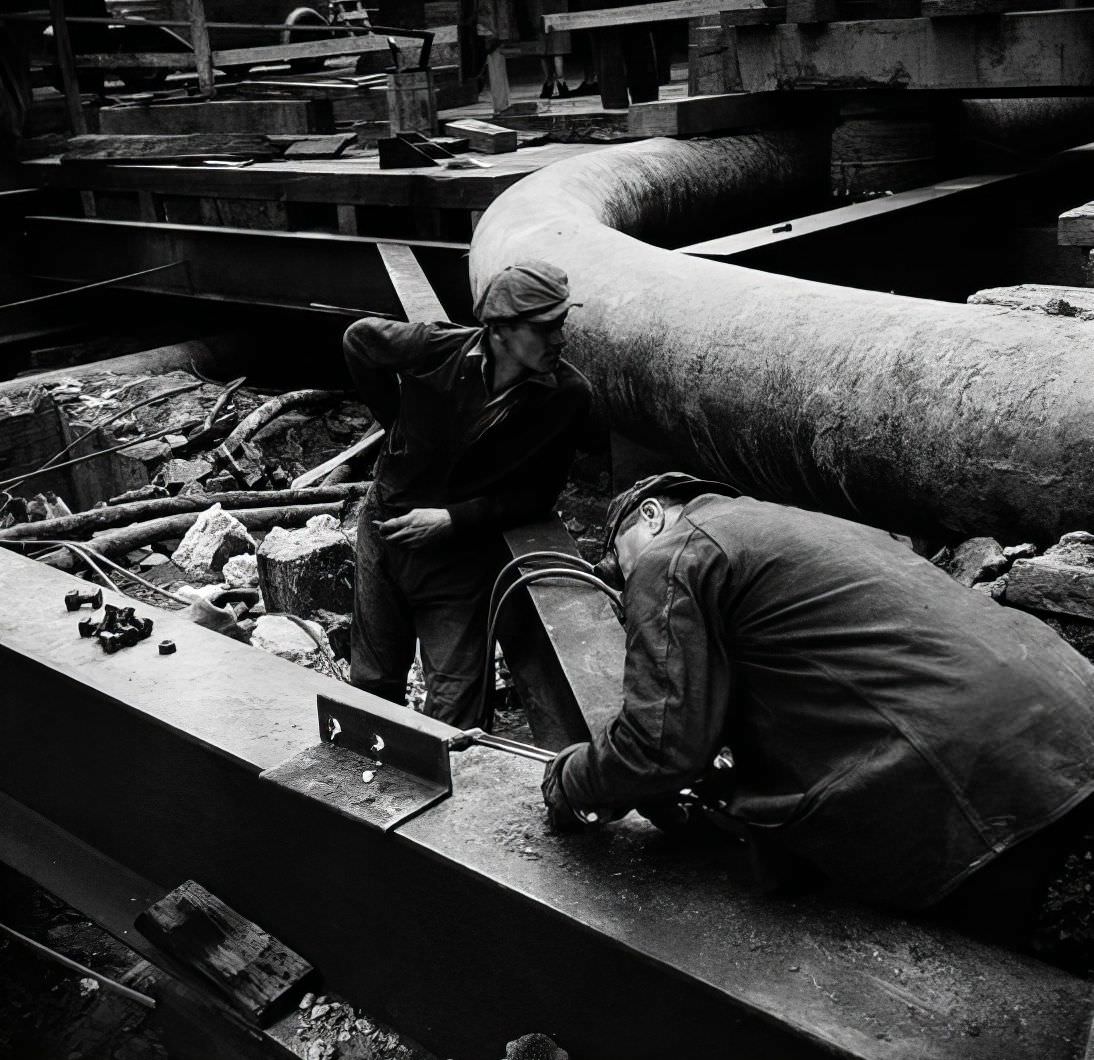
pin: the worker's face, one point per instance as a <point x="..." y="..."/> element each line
<point x="537" y="348"/>
<point x="632" y="542"/>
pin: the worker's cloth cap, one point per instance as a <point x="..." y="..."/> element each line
<point x="533" y="291"/>
<point x="673" y="484"/>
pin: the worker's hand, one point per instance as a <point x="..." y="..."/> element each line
<point x="561" y="816"/>
<point x="418" y="527"/>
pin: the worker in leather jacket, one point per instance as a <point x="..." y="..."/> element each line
<point x="887" y="730"/>
<point x="482" y="424"/>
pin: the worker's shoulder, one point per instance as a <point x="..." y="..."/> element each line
<point x="393" y="341"/>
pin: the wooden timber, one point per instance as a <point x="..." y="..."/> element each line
<point x="222" y="116"/>
<point x="698" y="115"/>
<point x="1075" y="228"/>
<point x="258" y="974"/>
<point x="1030" y="50"/>
<point x="419" y="300"/>
<point x="358" y="181"/>
<point x="641" y="13"/>
<point x="483" y="136"/>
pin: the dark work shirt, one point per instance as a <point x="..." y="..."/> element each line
<point x="493" y="460"/>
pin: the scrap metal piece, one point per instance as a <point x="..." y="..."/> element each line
<point x="412" y="774"/>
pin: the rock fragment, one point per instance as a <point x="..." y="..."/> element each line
<point x="303" y="571"/>
<point x="241" y="571"/>
<point x="976" y="560"/>
<point x="281" y="636"/>
<point x="214" y="538"/>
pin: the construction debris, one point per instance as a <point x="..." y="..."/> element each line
<point x="303" y="570"/>
<point x="1057" y="586"/>
<point x="281" y="636"/>
<point x="241" y="570"/>
<point x="210" y="542"/>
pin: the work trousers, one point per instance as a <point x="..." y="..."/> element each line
<point x="437" y="595"/>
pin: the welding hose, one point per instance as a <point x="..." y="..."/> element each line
<point x="528" y="558"/>
<point x="86" y="553"/>
<point x="485" y="710"/>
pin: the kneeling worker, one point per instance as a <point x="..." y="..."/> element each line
<point x="482" y="427"/>
<point x="892" y="733"/>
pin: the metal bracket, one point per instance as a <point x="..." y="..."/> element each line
<point x="368" y="766"/>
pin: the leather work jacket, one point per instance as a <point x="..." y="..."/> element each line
<point x="493" y="460"/>
<point x="892" y="729"/>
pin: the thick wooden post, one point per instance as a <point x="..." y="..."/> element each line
<point x="203" y="54"/>
<point x="498" y="76"/>
<point x="67" y="65"/>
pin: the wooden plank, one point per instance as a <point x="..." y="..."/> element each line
<point x="1075" y="228"/>
<point x="482" y="136"/>
<point x="697" y="115"/>
<point x="641" y="13"/>
<point x="274" y="53"/>
<point x="812" y="10"/>
<point x="67" y="65"/>
<point x="368" y="440"/>
<point x="769" y="15"/>
<point x="160" y="149"/>
<point x="258" y="973"/>
<point x="203" y="52"/>
<point x="320" y="146"/>
<point x="796" y="228"/>
<point x="498" y="77"/>
<point x="420" y="302"/>
<point x="221" y="116"/>
<point x="965" y="8"/>
<point x="1049" y="50"/>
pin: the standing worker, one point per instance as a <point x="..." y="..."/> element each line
<point x="861" y="718"/>
<point x="482" y="427"/>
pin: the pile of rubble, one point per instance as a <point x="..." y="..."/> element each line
<point x="1056" y="585"/>
<point x="224" y="512"/>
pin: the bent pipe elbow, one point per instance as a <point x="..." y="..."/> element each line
<point x="920" y="416"/>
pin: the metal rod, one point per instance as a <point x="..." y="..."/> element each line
<point x="513" y="747"/>
<point x="60" y="958"/>
<point x="90" y="286"/>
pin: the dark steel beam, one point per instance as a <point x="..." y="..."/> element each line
<point x="471" y="923"/>
<point x="283" y="269"/>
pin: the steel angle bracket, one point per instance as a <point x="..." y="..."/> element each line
<point x="368" y="766"/>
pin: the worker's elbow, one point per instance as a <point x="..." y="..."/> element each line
<point x="359" y="339"/>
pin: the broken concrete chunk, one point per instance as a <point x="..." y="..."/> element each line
<point x="337" y="627"/>
<point x="1025" y="551"/>
<point x="214" y="538"/>
<point x="177" y="474"/>
<point x="241" y="570"/>
<point x="976" y="560"/>
<point x="281" y="636"/>
<point x="301" y="571"/>
<point x="1046" y="584"/>
<point x="1076" y="548"/>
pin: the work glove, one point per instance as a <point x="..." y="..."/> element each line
<point x="561" y="816"/>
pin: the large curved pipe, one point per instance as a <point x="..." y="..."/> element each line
<point x="911" y="414"/>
